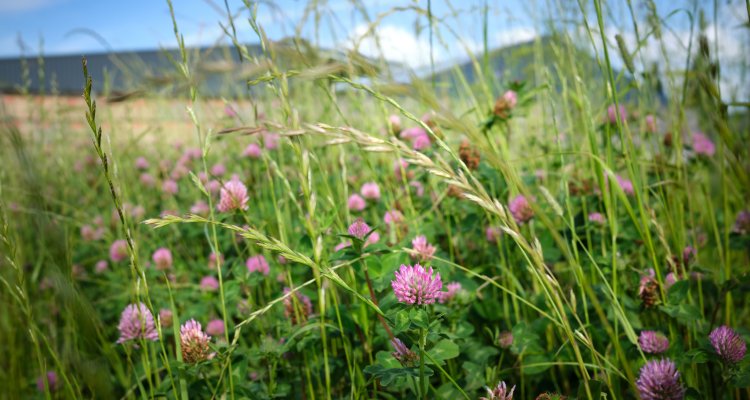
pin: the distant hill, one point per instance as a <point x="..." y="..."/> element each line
<point x="117" y="71"/>
<point x="517" y="62"/>
<point x="217" y="70"/>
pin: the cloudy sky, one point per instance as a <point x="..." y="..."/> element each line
<point x="88" y="26"/>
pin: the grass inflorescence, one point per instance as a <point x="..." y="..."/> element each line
<point x="331" y="227"/>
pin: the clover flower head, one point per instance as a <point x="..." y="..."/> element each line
<point x="499" y="392"/>
<point x="728" y="344"/>
<point x="137" y="322"/>
<point x="653" y="342"/>
<point x="660" y="380"/>
<point x="416" y="285"/>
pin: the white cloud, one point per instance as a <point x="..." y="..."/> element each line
<point x="513" y="36"/>
<point x="395" y="44"/>
<point x="401" y="45"/>
<point x="671" y="54"/>
<point x="11" y="6"/>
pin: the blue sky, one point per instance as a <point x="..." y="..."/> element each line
<point x="86" y="26"/>
<point x="144" y="24"/>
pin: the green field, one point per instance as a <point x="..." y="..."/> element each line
<point x="576" y="226"/>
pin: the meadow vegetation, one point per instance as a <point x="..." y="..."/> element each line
<point x="324" y="230"/>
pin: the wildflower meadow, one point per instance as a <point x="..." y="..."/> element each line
<point x="563" y="216"/>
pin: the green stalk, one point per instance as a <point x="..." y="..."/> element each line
<point x="422" y="380"/>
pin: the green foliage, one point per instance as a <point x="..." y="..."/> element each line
<point x="549" y="298"/>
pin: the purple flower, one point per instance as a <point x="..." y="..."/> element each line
<point x="511" y="98"/>
<point x="688" y="253"/>
<point x="233" y="196"/>
<point x="597" y="218"/>
<point x="412" y="133"/>
<point x="399" y="169"/>
<point x="359" y="229"/>
<point x="101" y="266"/>
<point x="702" y="145"/>
<point x="213" y="260"/>
<point x="192" y="153"/>
<point x="147" y="179"/>
<point x="88" y="233"/>
<point x="451" y="290"/>
<point x="342" y="246"/>
<point x="229" y="111"/>
<point x="356" y="203"/>
<point x="141" y="163"/>
<point x="252" y="150"/>
<point x="179" y="171"/>
<point x="270" y="141"/>
<point x="499" y="392"/>
<point x="612" y="114"/>
<point x="119" y="250"/>
<point x="213" y="186"/>
<point x="418" y="187"/>
<point x="660" y="380"/>
<point x="728" y="344"/>
<point x="258" y="264"/>
<point x="215" y="327"/>
<point x="416" y="285"/>
<point x="218" y="169"/>
<point x="194" y="342"/>
<point x="742" y="223"/>
<point x="137" y="322"/>
<point x="421" y="142"/>
<point x="626" y="185"/>
<point x="403" y="354"/>
<point x="162" y="258"/>
<point x="653" y="342"/>
<point x="51" y="380"/>
<point x="424" y="251"/>
<point x="370" y="190"/>
<point x="200" y="208"/>
<point x="505" y="339"/>
<point x="209" y="284"/>
<point x="138" y="212"/>
<point x="520" y="209"/>
<point x="505" y="103"/>
<point x="169" y="186"/>
<point x="492" y="234"/>
<point x="393" y="217"/>
<point x="165" y="317"/>
<point x="650" y="123"/>
<point x="670" y="280"/>
<point x="372" y="239"/>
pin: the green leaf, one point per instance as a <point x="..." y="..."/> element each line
<point x="419" y="318"/>
<point x="525" y="340"/>
<point x="536" y="364"/>
<point x="683" y="313"/>
<point x="742" y="380"/>
<point x="474" y="374"/>
<point x="388" y="375"/>
<point x="444" y="350"/>
<point x="678" y="292"/>
<point x="464" y="329"/>
<point x="401" y="322"/>
<point x="447" y="391"/>
<point x="374" y="267"/>
<point x="696" y="356"/>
